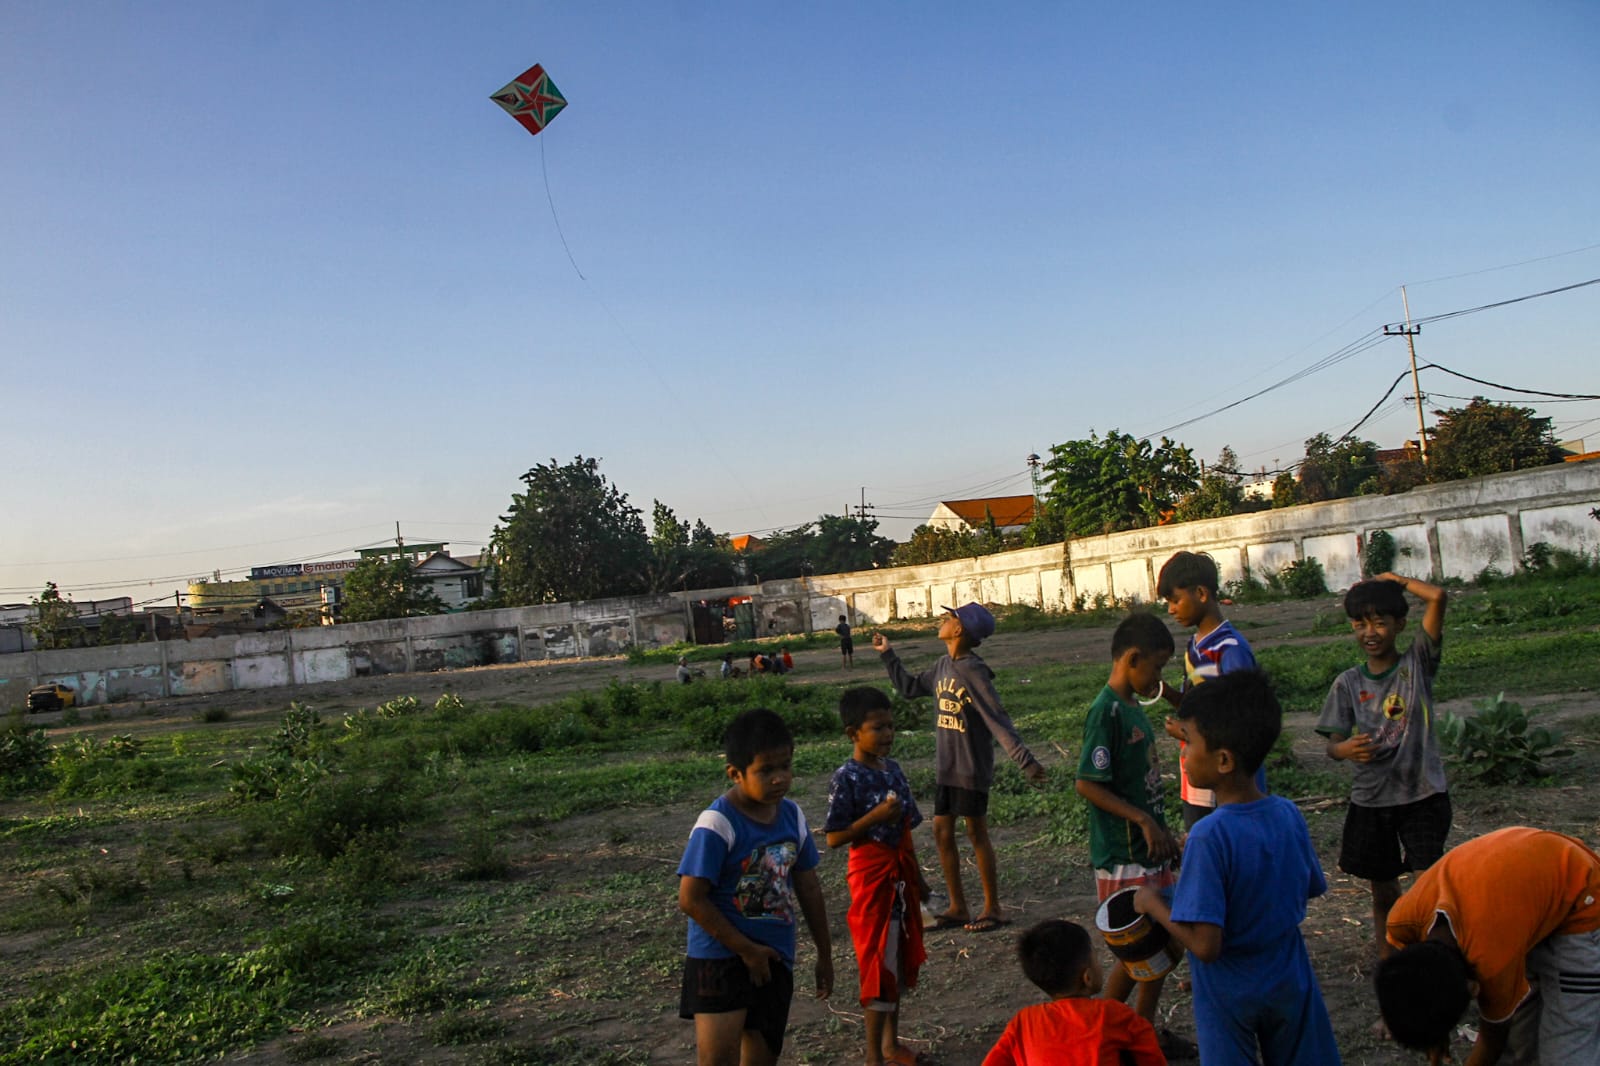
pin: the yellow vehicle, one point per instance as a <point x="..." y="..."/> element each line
<point x="53" y="697"/>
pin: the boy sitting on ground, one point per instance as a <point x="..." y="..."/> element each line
<point x="1075" y="1028"/>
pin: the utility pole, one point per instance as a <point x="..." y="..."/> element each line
<point x="1409" y="332"/>
<point x="1033" y="473"/>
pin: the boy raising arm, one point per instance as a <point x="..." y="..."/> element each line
<point x="970" y="718"/>
<point x="1379" y="716"/>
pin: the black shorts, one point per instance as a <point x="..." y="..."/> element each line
<point x="964" y="802"/>
<point x="1374" y="837"/>
<point x="719" y="986"/>
<point x="847" y="646"/>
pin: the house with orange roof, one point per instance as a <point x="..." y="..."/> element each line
<point x="1011" y="513"/>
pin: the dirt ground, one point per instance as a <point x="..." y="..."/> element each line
<point x="971" y="984"/>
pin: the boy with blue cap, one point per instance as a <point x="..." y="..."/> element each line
<point x="970" y="720"/>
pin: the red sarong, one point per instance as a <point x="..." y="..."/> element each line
<point x="881" y="876"/>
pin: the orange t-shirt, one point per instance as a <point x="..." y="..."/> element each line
<point x="1503" y="893"/>
<point x="1076" y="1032"/>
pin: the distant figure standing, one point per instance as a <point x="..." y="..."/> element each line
<point x="847" y="645"/>
<point x="786" y="659"/>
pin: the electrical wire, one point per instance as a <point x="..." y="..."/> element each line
<point x="1510" y="388"/>
<point x="1496" y="304"/>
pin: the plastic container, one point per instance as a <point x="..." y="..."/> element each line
<point x="1144" y="947"/>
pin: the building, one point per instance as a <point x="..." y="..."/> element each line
<point x="1012" y="514"/>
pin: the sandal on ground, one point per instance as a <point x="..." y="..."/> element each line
<point x="948" y="921"/>
<point x="987" y="923"/>
<point x="1175" y="1047"/>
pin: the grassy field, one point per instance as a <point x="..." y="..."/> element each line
<point x="407" y="881"/>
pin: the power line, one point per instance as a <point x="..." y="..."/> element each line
<point x="1502" y="303"/>
<point x="1510" y="388"/>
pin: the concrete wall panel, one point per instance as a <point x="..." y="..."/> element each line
<point x="200" y="677"/>
<point x="1271" y="557"/>
<point x="874" y="608"/>
<point x="825" y="612"/>
<point x="1411" y="555"/>
<point x="911" y="602"/>
<point x="136" y="683"/>
<point x="1051" y="590"/>
<point x="1468" y="545"/>
<point x="261" y="671"/>
<point x="316" y="665"/>
<point x="1091" y="584"/>
<point x="1130" y="580"/>
<point x="1024" y="589"/>
<point x="1340" y="559"/>
<point x="1570" y="527"/>
<point x="560" y="642"/>
<point x="608" y="637"/>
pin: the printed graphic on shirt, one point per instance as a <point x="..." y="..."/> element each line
<point x="764" y="892"/>
<point x="952" y="695"/>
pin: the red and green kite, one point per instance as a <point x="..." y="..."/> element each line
<point x="532" y="99"/>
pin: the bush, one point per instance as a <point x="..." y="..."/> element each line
<point x="1499" y="746"/>
<point x="1304" y="579"/>
<point x="24" y="759"/>
<point x="1379" y="555"/>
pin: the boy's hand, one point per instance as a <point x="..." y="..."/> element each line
<point x="1149" y="900"/>
<point x="1174" y="728"/>
<point x="1357" y="748"/>
<point x="1036" y="774"/>
<point x="1162" y="844"/>
<point x="887" y="811"/>
<point x="824" y="976"/>
<point x="759" y="959"/>
<point x="880" y="643"/>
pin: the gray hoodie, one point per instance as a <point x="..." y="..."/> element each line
<point x="970" y="718"/>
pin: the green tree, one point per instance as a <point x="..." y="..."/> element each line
<point x="938" y="544"/>
<point x="54" y="620"/>
<point x="1220" y="492"/>
<point x="1102" y="485"/>
<point x="570" y="535"/>
<point x="1487" y="438"/>
<point x="843" y="544"/>
<point x="671" y="559"/>
<point x="1285" y="490"/>
<point x="1333" y="469"/>
<point x="387" y="588"/>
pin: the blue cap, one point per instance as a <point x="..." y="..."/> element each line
<point x="976" y="622"/>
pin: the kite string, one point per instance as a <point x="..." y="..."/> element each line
<point x="556" y="218"/>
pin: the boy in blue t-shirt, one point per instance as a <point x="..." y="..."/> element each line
<point x="1188" y="582"/>
<point x="749" y="865"/>
<point x="1248" y="870"/>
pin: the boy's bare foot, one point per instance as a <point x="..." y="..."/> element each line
<point x="1379" y="1031"/>
<point x="903" y="1056"/>
<point x="949" y="921"/>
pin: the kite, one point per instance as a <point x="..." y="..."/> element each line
<point x="532" y="99"/>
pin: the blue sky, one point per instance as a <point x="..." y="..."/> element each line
<point x="276" y="276"/>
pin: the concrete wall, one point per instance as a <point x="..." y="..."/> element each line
<point x="1442" y="531"/>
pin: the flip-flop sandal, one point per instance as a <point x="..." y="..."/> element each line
<point x="947" y="921"/>
<point x="903" y="1058"/>
<point x="987" y="924"/>
<point x="1175" y="1047"/>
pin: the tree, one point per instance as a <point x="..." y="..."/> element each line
<point x="670" y="556"/>
<point x="571" y="535"/>
<point x="1118" y="482"/>
<point x="938" y="544"/>
<point x="53" y="619"/>
<point x="387" y="588"/>
<point x="1220" y="492"/>
<point x="843" y="544"/>
<point x="1333" y="469"/>
<point x="1486" y="438"/>
<point x="1285" y="490"/>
